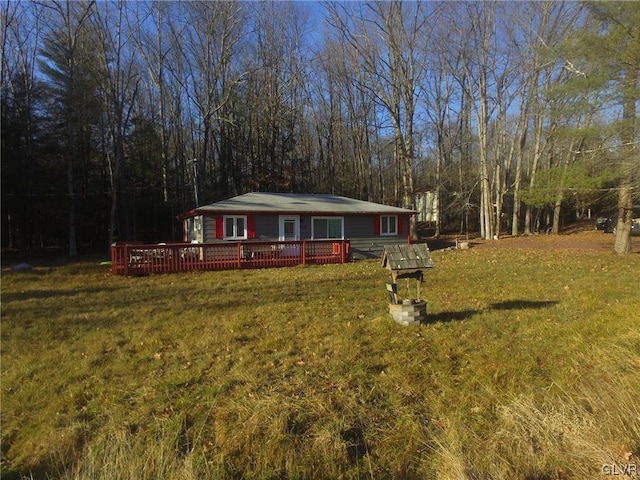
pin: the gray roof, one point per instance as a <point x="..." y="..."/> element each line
<point x="298" y="203"/>
<point x="407" y="257"/>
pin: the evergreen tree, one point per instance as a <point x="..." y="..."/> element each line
<point x="606" y="58"/>
<point x="66" y="57"/>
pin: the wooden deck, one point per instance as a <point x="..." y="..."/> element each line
<point x="139" y="259"/>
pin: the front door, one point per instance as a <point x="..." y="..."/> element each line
<point x="290" y="232"/>
<point x="289" y="227"/>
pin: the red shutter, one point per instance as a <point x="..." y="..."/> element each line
<point x="376" y="224"/>
<point x="251" y="227"/>
<point x="400" y="224"/>
<point x="219" y="227"/>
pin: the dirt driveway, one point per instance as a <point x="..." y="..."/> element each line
<point x="576" y="237"/>
<point x="592" y="240"/>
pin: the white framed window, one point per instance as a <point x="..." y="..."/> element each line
<point x="388" y="225"/>
<point x="327" y="227"/>
<point x="235" y="227"/>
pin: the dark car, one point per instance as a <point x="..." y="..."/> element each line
<point x="601" y="222"/>
<point x="610" y="224"/>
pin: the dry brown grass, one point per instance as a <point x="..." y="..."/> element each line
<point x="528" y="369"/>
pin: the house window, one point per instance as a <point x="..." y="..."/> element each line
<point x="235" y="228"/>
<point x="389" y="225"/>
<point x="327" y="227"/>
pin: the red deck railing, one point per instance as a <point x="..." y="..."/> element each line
<point x="136" y="258"/>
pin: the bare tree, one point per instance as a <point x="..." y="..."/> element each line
<point x="440" y="96"/>
<point x="209" y="46"/>
<point x="277" y="92"/>
<point x="486" y="79"/>
<point x="477" y="73"/>
<point x="347" y="116"/>
<point x="386" y="43"/>
<point x="119" y="81"/>
<point x="154" y="50"/>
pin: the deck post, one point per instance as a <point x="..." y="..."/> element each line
<point x="239" y="254"/>
<point x="114" y="262"/>
<point x="125" y="259"/>
<point x="304" y="252"/>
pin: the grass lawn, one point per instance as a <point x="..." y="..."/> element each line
<point x="529" y="368"/>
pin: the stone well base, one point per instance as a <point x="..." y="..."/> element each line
<point x="409" y="312"/>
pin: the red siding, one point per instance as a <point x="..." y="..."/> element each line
<point x="376" y="224"/>
<point x="251" y="227"/>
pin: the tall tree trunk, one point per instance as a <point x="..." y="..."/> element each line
<point x="73" y="244"/>
<point x="436" y="193"/>
<point x="486" y="205"/>
<point x="630" y="162"/>
<point x="538" y="151"/>
<point x="522" y="140"/>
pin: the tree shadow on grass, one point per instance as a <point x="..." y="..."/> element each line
<point x="507" y="305"/>
<point x="54" y="293"/>
<point x="522" y="305"/>
<point x="450" y="316"/>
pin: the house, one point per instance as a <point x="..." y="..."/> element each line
<point x="426" y="206"/>
<point x="288" y="217"/>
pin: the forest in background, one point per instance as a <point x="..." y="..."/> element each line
<point x="117" y="116"/>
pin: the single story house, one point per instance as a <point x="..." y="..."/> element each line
<point x="287" y="217"/>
